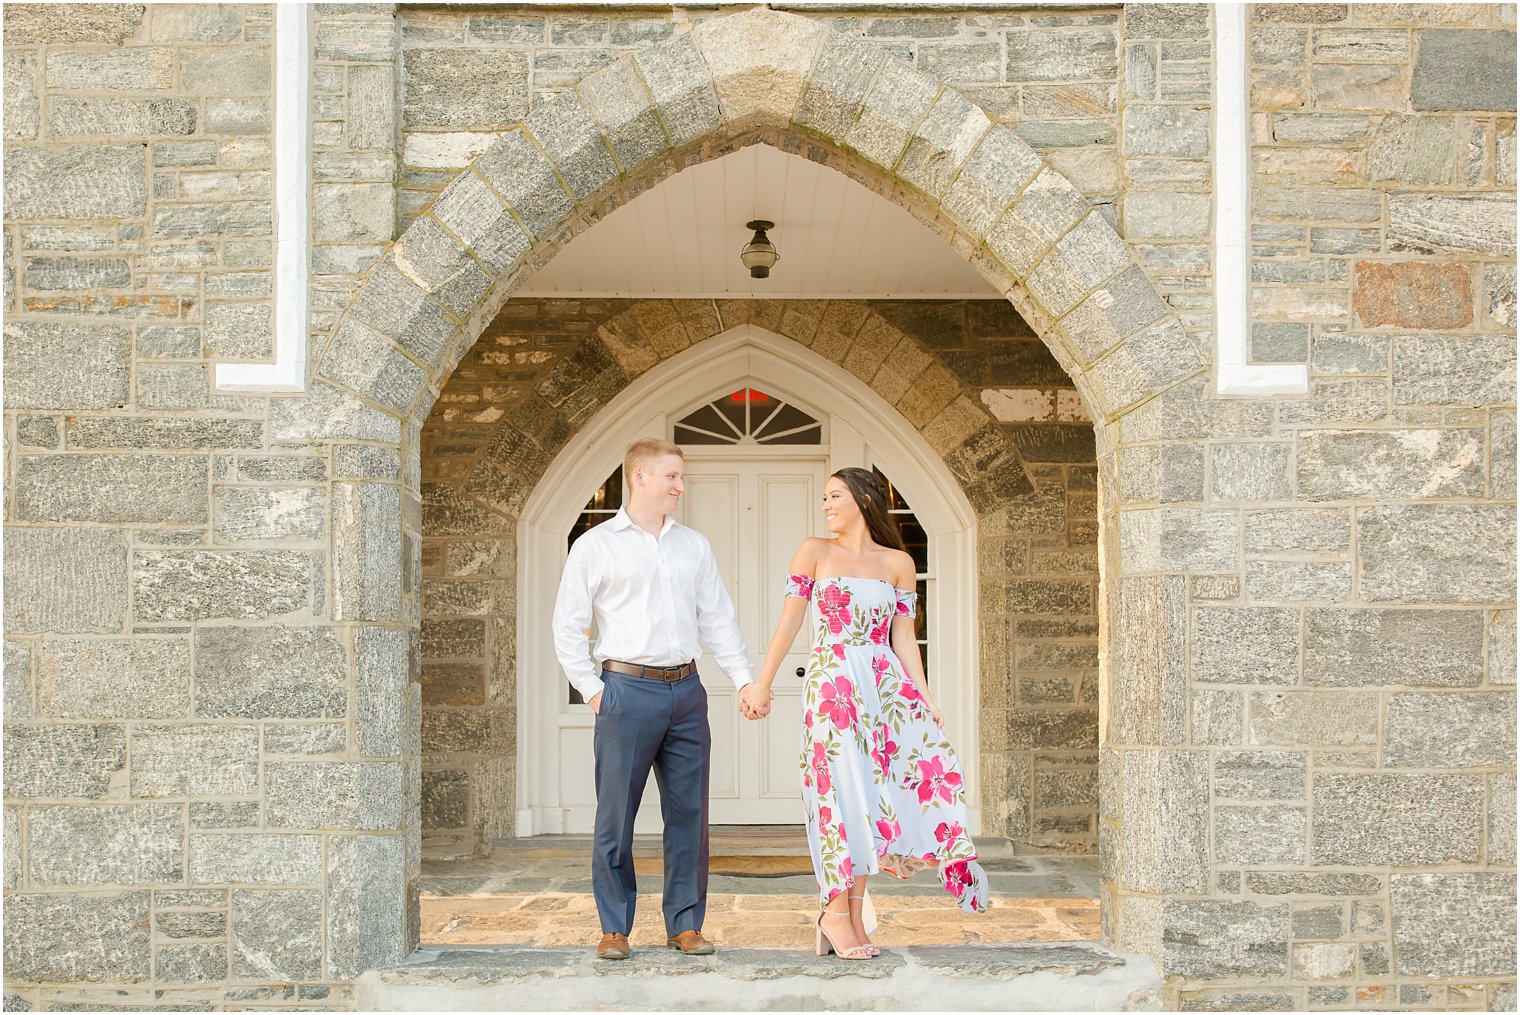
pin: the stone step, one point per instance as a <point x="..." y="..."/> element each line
<point x="1026" y="977"/>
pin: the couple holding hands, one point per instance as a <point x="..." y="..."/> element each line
<point x="881" y="785"/>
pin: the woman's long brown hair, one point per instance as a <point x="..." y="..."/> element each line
<point x="870" y="495"/>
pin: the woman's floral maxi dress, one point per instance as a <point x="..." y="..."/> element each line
<point x="881" y="785"/>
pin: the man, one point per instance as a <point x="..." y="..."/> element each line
<point x="652" y="587"/>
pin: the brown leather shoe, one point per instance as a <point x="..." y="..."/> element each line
<point x="691" y="942"/>
<point x="613" y="946"/>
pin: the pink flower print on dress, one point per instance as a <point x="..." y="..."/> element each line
<point x="838" y="702"/>
<point x="818" y="769"/>
<point x="883" y="749"/>
<point x="824" y="816"/>
<point x="846" y="867"/>
<point x="934" y="781"/>
<point x="838" y="648"/>
<point x="835" y="608"/>
<point x="882" y="633"/>
<point x="910" y="691"/>
<point x="799" y="586"/>
<point x="890" y="832"/>
<point x="879" y="666"/>
<point x="948" y="831"/>
<point x="957" y="877"/>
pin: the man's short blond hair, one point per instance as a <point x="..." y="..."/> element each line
<point x="645" y="450"/>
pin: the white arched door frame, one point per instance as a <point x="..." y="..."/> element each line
<point x="861" y="429"/>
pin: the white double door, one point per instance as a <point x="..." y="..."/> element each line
<point x="754" y="509"/>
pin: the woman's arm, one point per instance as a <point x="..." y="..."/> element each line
<point x="905" y="637"/>
<point x="804" y="562"/>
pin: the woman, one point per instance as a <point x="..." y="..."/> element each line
<point x="881" y="785"/>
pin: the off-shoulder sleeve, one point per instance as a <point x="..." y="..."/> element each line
<point x="907" y="603"/>
<point x="799" y="586"/>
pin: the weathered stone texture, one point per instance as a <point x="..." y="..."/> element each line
<point x="1450" y="730"/>
<point x="112" y="488"/>
<point x="1390" y="465"/>
<point x="1396" y="819"/>
<point x="65" y="580"/>
<point x="204" y="584"/>
<point x="1414" y="294"/>
<point x="1211" y="938"/>
<point x="64" y="761"/>
<point x="1294" y="718"/>
<point x="108" y="935"/>
<point x="141" y="678"/>
<point x="76" y="182"/>
<point x="117" y="845"/>
<point x="1453" y="924"/>
<point x="277" y="934"/>
<point x="267" y="514"/>
<point x="252" y="858"/>
<point x="1431" y="370"/>
<point x="1420" y="553"/>
<point x="66" y="366"/>
<point x="1464" y="69"/>
<point x="269" y="673"/>
<point x="1245" y="645"/>
<point x="1364" y="648"/>
<point x="199" y="760"/>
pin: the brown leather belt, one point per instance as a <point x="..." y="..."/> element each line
<point x="652" y="672"/>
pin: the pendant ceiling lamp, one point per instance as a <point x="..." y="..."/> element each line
<point x="759" y="254"/>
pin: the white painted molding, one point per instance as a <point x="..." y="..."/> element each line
<point x="1234" y="374"/>
<point x="292" y="186"/>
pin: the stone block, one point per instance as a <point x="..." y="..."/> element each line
<point x="366" y="903"/>
<point x="1260" y="775"/>
<point x="240" y="331"/>
<point x="1245" y="645"/>
<point x="198" y="760"/>
<point x="1369" y="648"/>
<point x="254" y="858"/>
<point x="1501" y="818"/>
<point x="996" y="171"/>
<point x="681" y="85"/>
<point x="1165" y="811"/>
<point x="191" y="963"/>
<point x="1370" y="820"/>
<point x="1179" y="539"/>
<point x="386" y="659"/>
<point x="66" y="366"/>
<point x="225" y="72"/>
<point x="68" y="273"/>
<point x="107" y="932"/>
<point x="1390" y="465"/>
<point x="1428" y="553"/>
<point x="115" y="118"/>
<point x="1297" y="580"/>
<point x="1298" y="530"/>
<point x="371" y="107"/>
<point x="1310" y="718"/>
<point x="1217" y="716"/>
<point x="1215" y="939"/>
<point x="270" y="673"/>
<point x="1413" y="150"/>
<point x="305" y="738"/>
<point x="1501" y="648"/>
<point x="899" y="99"/>
<point x="1260" y="836"/>
<point x="474" y="214"/>
<point x="21" y="102"/>
<point x="1087" y="256"/>
<point x="1061" y="54"/>
<point x="1459" y="68"/>
<point x="618" y="101"/>
<point x="1148" y="661"/>
<point x="1453" y="924"/>
<point x="353" y="213"/>
<point x="1475" y="223"/>
<point x="65" y="581"/>
<point x="75" y="182"/>
<point x="1429" y="370"/>
<point x="1327" y="961"/>
<point x="18" y="681"/>
<point x="277" y="934"/>
<point x="296" y="514"/>
<point x="1166" y="215"/>
<point x="941" y="142"/>
<point x="164" y="434"/>
<point x="64" y="761"/>
<point x="574" y="143"/>
<point x="1499" y="294"/>
<point x="226" y="584"/>
<point x="366" y="566"/>
<point x="1318" y="921"/>
<point x="1419" y="295"/>
<point x="236" y="814"/>
<point x="1250" y="472"/>
<point x="454" y="89"/>
<point x="140" y="678"/>
<point x="1172" y="132"/>
<point x="1450" y="730"/>
<point x="1046" y="209"/>
<point x="111" y="488"/>
<point x="363" y="362"/>
<point x="1306" y="883"/>
<point x="105" y="845"/>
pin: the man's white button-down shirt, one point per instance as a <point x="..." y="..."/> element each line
<point x="651" y="599"/>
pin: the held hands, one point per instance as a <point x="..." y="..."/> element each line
<point x="754" y="701"/>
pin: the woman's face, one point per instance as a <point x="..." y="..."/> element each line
<point x="840" y="511"/>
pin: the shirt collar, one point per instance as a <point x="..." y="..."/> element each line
<point x="621" y="520"/>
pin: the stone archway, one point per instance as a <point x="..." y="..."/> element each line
<point x="767" y="77"/>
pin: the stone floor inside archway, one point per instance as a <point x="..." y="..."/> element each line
<point x="537" y="893"/>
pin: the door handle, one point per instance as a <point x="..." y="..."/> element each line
<point x="801" y="671"/>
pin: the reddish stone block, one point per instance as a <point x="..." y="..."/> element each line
<point x="1414" y="294"/>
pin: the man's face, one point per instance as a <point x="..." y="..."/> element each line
<point x="663" y="483"/>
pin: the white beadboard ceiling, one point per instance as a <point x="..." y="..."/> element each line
<point x="682" y="238"/>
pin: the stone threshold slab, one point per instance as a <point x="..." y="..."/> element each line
<point x="1032" y="977"/>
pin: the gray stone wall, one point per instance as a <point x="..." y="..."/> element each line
<point x="1037" y="558"/>
<point x="1307" y="604"/>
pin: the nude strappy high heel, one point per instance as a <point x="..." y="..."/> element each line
<point x="823" y="944"/>
<point x="868" y="921"/>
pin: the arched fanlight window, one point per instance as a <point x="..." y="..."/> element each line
<point x="748" y="416"/>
